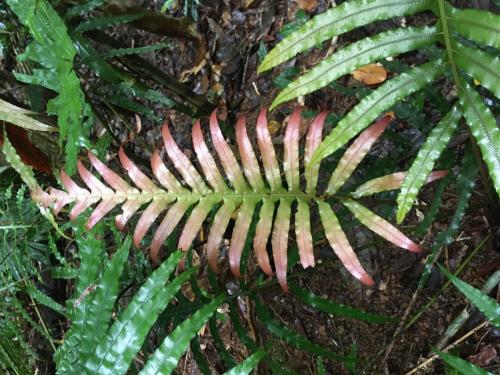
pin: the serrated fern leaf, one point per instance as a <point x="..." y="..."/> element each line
<point x="165" y="358"/>
<point x="103" y="300"/>
<point x="122" y="341"/>
<point x="245" y="367"/>
<point x="103" y="22"/>
<point x="488" y="306"/>
<point x="463" y="188"/>
<point x="424" y="162"/>
<point x="53" y="49"/>
<point x="348" y="59"/>
<point x="462" y="366"/>
<point x="475" y="24"/>
<point x="372" y="105"/>
<point x="479" y="65"/>
<point x="239" y="196"/>
<point x="448" y="33"/>
<point x="484" y="129"/>
<point x="338" y="20"/>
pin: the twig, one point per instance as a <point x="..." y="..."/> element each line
<point x="449" y="347"/>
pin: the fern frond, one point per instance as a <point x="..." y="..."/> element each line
<point x="459" y="57"/>
<point x="242" y="193"/>
<point x="348" y="59"/>
<point x="338" y="20"/>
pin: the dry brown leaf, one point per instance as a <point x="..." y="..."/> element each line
<point x="371" y="74"/>
<point x="307" y="5"/>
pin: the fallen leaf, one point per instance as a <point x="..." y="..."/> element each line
<point x="307" y="5"/>
<point x="370" y="74"/>
<point x="27" y="151"/>
<point x="486" y="354"/>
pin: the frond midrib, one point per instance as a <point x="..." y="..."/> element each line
<point x="197" y="196"/>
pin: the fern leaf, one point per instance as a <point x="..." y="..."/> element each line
<point x="463" y="188"/>
<point x="371" y="106"/>
<point x="484" y="129"/>
<point x="165" y="358"/>
<point x="124" y="338"/>
<point x="340" y="244"/>
<point x="313" y="140"/>
<point x="338" y="20"/>
<point x="356" y="152"/>
<point x="380" y="226"/>
<point x="98" y="23"/>
<point x="361" y="53"/>
<point x="479" y="65"/>
<point x="243" y="193"/>
<point x="424" y="162"/>
<point x="488" y="306"/>
<point x="391" y="181"/>
<point x="103" y="301"/>
<point x="330" y="307"/>
<point x="477" y="25"/>
<point x="245" y="367"/>
<point x="21" y="117"/>
<point x="292" y="337"/>
<point x="54" y="50"/>
<point x="463" y="367"/>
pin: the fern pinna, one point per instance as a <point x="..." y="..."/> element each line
<point x="246" y="193"/>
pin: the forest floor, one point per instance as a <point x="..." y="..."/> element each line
<point x="236" y="32"/>
<point x="236" y="36"/>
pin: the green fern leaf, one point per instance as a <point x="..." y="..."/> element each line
<point x="477" y="25"/>
<point x="464" y="186"/>
<point x="484" y="129"/>
<point x="54" y="50"/>
<point x="330" y="307"/>
<point x="488" y="306"/>
<point x="463" y="367"/>
<point x="389" y="43"/>
<point x="98" y="23"/>
<point x="338" y="20"/>
<point x="479" y="65"/>
<point x="117" y="348"/>
<point x="165" y="358"/>
<point x="371" y="106"/>
<point x="292" y="337"/>
<point x="424" y="162"/>
<point x="248" y="364"/>
<point x="100" y="306"/>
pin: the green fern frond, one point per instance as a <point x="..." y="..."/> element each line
<point x="53" y="49"/>
<point x="451" y="27"/>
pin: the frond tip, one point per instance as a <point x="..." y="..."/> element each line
<point x="244" y="191"/>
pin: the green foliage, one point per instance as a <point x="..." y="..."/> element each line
<point x="464" y="185"/>
<point x="463" y="367"/>
<point x="22" y="256"/>
<point x="460" y="56"/>
<point x="53" y="53"/>
<point x="248" y="364"/>
<point x="115" y="342"/>
<point x="333" y="308"/>
<point x="424" y="162"/>
<point x="488" y="306"/>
